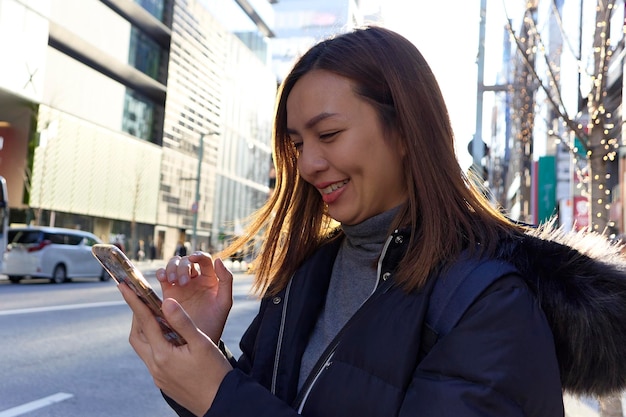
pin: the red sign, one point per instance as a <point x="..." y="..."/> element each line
<point x="581" y="212"/>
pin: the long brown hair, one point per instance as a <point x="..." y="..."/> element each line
<point x="444" y="211"/>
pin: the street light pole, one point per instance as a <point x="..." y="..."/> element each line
<point x="477" y="142"/>
<point x="196" y="203"/>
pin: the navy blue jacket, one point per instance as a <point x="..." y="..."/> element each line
<point x="499" y="360"/>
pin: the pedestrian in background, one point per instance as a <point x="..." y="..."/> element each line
<point x="371" y="222"/>
<point x="140" y="252"/>
<point x="152" y="250"/>
<point x="181" y="249"/>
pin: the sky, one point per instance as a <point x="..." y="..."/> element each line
<point x="447" y="34"/>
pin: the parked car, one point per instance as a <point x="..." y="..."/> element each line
<point x="49" y="252"/>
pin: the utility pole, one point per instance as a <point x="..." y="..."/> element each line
<point x="196" y="204"/>
<point x="478" y="146"/>
<point x="195" y="207"/>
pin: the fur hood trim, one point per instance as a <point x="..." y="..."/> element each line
<point x="580" y="281"/>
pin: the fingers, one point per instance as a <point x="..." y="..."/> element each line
<point x="133" y="301"/>
<point x="145" y="330"/>
<point x="181" y="270"/>
<point x="138" y="340"/>
<point x="179" y="320"/>
<point x="225" y="283"/>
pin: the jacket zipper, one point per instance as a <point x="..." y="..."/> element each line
<point x="330" y="351"/>
<point x="325" y="365"/>
<point x="280" y="339"/>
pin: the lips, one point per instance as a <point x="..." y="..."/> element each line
<point x="332" y="191"/>
<point x="333" y="187"/>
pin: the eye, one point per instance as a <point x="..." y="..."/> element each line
<point x="329" y="135"/>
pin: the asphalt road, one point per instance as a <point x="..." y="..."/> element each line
<point x="65" y="352"/>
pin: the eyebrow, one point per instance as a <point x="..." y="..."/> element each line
<point x="313" y="121"/>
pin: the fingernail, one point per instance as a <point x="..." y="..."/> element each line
<point x="171" y="277"/>
<point x="183" y="280"/>
<point x="168" y="306"/>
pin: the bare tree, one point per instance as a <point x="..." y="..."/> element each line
<point x="593" y="127"/>
<point x="599" y="118"/>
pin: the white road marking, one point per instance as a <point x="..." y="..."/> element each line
<point x="35" y="405"/>
<point x="59" y="308"/>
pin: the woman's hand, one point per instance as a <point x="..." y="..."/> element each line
<point x="205" y="292"/>
<point x="190" y="374"/>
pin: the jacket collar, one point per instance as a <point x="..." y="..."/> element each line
<point x="580" y="280"/>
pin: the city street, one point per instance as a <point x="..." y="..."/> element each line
<point x="65" y="349"/>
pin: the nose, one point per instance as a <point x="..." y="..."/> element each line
<point x="312" y="159"/>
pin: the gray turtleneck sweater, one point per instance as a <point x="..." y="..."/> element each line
<point x="352" y="281"/>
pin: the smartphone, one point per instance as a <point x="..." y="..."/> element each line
<point x="121" y="270"/>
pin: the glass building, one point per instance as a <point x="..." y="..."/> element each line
<point x="222" y="90"/>
<point x="299" y="24"/>
<point x="107" y="108"/>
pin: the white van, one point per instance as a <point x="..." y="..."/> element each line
<point x="50" y="252"/>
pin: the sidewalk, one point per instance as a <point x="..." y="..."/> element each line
<point x="148" y="266"/>
<point x="585" y="407"/>
<point x="580" y="407"/>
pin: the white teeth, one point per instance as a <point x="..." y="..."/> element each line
<point x="334" y="187"/>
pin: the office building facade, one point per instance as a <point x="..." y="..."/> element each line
<point x="104" y="108"/>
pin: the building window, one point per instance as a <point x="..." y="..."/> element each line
<point x="154" y="7"/>
<point x="144" y="54"/>
<point x="138" y="116"/>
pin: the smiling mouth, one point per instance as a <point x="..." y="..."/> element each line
<point x="333" y="187"/>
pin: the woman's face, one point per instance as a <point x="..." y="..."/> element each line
<point x="343" y="151"/>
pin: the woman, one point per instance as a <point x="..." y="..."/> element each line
<point x="371" y="210"/>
